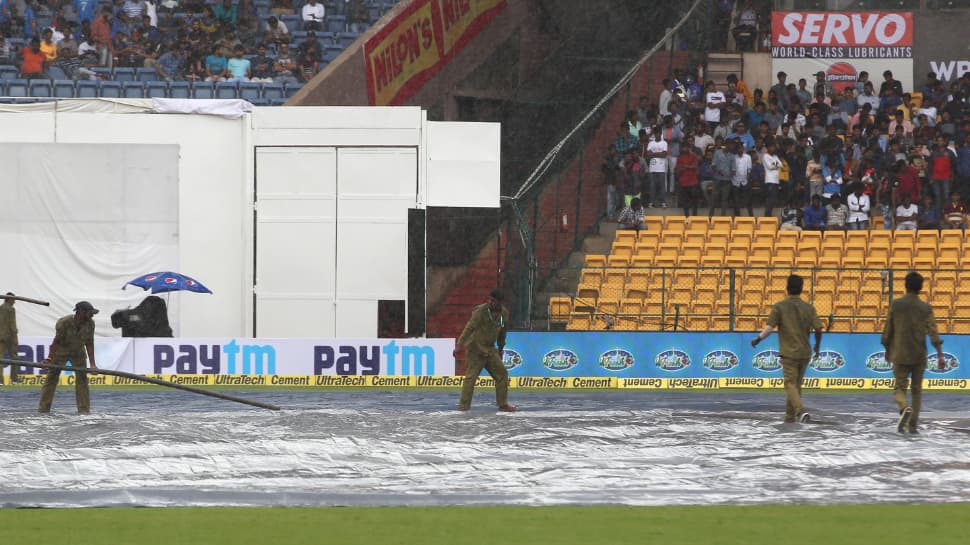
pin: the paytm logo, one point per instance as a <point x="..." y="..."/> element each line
<point x="368" y="359"/>
<point x="214" y="359"/>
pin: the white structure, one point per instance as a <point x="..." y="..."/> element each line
<point x="296" y="218"/>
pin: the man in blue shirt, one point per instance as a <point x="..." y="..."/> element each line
<point x="85" y="9"/>
<point x="216" y="65"/>
<point x="30" y="21"/>
<point x="169" y="65"/>
<point x="815" y="215"/>
<point x="239" y="67"/>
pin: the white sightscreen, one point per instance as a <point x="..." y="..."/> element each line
<point x="77" y="221"/>
<point x="463" y="164"/>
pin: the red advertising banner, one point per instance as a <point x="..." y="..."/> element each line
<point x="419" y="42"/>
<point x="840" y="35"/>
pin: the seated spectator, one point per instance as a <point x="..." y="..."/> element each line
<point x="357" y="16"/>
<point x="34" y="62"/>
<point x="285" y="66"/>
<point x="238" y="66"/>
<point x="225" y="13"/>
<point x="6" y="52"/>
<point x="955" y="213"/>
<point x="262" y="66"/>
<point x="858" y="208"/>
<point x="72" y="65"/>
<point x="631" y="217"/>
<point x="247" y="33"/>
<point x="815" y="215"/>
<point x="907" y="214"/>
<point x="928" y="216"/>
<point x="48" y="47"/>
<point x="837" y="214"/>
<point x="276" y="31"/>
<point x="791" y="216"/>
<point x="208" y="22"/>
<point x="309" y="62"/>
<point x="216" y="65"/>
<point x="169" y="66"/>
<point x="313" y="14"/>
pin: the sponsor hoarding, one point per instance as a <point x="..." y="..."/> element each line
<point x="941" y="46"/>
<point x="419" y="42"/>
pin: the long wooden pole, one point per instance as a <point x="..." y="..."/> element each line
<point x="26" y="300"/>
<point x="142" y="378"/>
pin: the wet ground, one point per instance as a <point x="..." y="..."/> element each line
<point x="163" y="448"/>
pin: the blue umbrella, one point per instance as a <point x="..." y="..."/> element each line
<point x="160" y="282"/>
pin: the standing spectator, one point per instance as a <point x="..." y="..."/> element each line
<point x="239" y="67"/>
<point x="226" y="13"/>
<point x="672" y="134"/>
<point x="858" y="208"/>
<point x="133" y="9"/>
<point x="101" y="34"/>
<point x="890" y="84"/>
<point x="357" y="15"/>
<point x="724" y="165"/>
<point x="151" y="11"/>
<point x="816" y="215"/>
<point x="741" y="182"/>
<point x="169" y="65"/>
<point x="955" y="213"/>
<point x="715" y="102"/>
<point x="656" y="153"/>
<point x="772" y="165"/>
<point x="9" y="340"/>
<point x="6" y="18"/>
<point x="34" y="62"/>
<point x="907" y="182"/>
<point x="941" y="163"/>
<point x="628" y="176"/>
<point x="216" y="65"/>
<point x="706" y="174"/>
<point x="85" y="10"/>
<point x="909" y="322"/>
<point x="687" y="179"/>
<point x="313" y="13"/>
<point x="609" y="170"/>
<point x="703" y="140"/>
<point x="907" y="214"/>
<point x="30" y="20"/>
<point x="884" y="200"/>
<point x="262" y="66"/>
<point x="929" y="214"/>
<point x="794" y="319"/>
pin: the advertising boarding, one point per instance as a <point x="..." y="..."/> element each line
<point x="842" y="44"/>
<point x="941" y="46"/>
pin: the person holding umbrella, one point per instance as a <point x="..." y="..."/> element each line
<point x="73" y="342"/>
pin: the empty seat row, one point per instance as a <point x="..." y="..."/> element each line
<point x="152" y="89"/>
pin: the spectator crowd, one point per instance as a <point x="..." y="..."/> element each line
<point x="820" y="155"/>
<point x="181" y="40"/>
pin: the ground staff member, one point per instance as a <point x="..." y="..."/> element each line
<point x="486" y="327"/>
<point x="73" y="336"/>
<point x="793" y="318"/>
<point x="910" y="321"/>
<point x="8" y="336"/>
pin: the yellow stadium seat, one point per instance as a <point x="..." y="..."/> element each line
<point x="924" y="262"/>
<point x="641" y="261"/>
<point x="578" y="321"/>
<point x="744" y="224"/>
<point x="622" y="249"/>
<point x="784" y="257"/>
<point x="857" y="239"/>
<point x="698" y="224"/>
<point x="629" y="314"/>
<point x="608" y="305"/>
<point x="853" y="261"/>
<point x="671" y="241"/>
<point x="614" y="280"/>
<point x="831" y="261"/>
<point x="749" y="318"/>
<point x="903" y="239"/>
<point x="616" y="261"/>
<point x="806" y="259"/>
<point x="709" y="278"/>
<point x="841" y="324"/>
<point x="591" y="277"/>
<point x="649" y="237"/>
<point x="722" y="223"/>
<point x="559" y="308"/>
<point x="718" y="240"/>
<point x="675" y="223"/>
<point x="900" y="262"/>
<point x="869" y="325"/>
<point x="767" y="223"/>
<point x="810" y="239"/>
<point x="833" y="237"/>
<point x="877" y="258"/>
<point x="960" y="325"/>
<point x="666" y="260"/>
<point x="792" y="237"/>
<point x="924" y="250"/>
<point x="713" y="258"/>
<point x="720" y="322"/>
<point x="944" y="282"/>
<point x="626" y="235"/>
<point x="774" y="295"/>
<point x="594" y="260"/>
<point x="951" y="238"/>
<point x="880" y="238"/>
<point x="930" y="239"/>
<point x="695" y="239"/>
<point x="735" y="261"/>
<point x="654" y="224"/>
<point x="585" y="300"/>
<point x="643" y="255"/>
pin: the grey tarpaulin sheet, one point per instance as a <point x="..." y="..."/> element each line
<point x="162" y="448"/>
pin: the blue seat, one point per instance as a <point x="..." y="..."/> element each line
<point x="277" y="101"/>
<point x="133" y="89"/>
<point x="179" y="89"/>
<point x="203" y="90"/>
<point x="110" y="89"/>
<point x="326" y="37"/>
<point x="64" y="88"/>
<point x="227" y="89"/>
<point x="272" y="91"/>
<point x="87" y="89"/>
<point x="103" y="72"/>
<point x="259" y="102"/>
<point x="347" y="38"/>
<point x="56" y="73"/>
<point x="146" y="74"/>
<point x="292" y="21"/>
<point x="8" y="72"/>
<point x="291" y="88"/>
<point x="124" y="74"/>
<point x="156" y="89"/>
<point x="41" y="88"/>
<point x="331" y="53"/>
<point x="3" y="88"/>
<point x="17" y="88"/>
<point x="250" y="91"/>
<point x="297" y="36"/>
<point x="336" y="23"/>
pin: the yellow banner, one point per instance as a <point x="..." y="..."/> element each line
<point x="457" y="16"/>
<point x="408" y="48"/>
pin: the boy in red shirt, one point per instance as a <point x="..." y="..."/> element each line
<point x="687" y="180"/>
<point x="955" y="213"/>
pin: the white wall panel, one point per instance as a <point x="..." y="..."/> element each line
<point x="464" y="164"/>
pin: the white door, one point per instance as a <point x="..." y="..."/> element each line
<point x="296" y="236"/>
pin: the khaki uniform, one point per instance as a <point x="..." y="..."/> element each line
<point x="794" y="319"/>
<point x="8" y="338"/>
<point x="910" y="320"/>
<point x="480" y="335"/>
<point x="70" y="339"/>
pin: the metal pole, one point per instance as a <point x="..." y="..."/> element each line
<point x="141" y="378"/>
<point x="26" y="300"/>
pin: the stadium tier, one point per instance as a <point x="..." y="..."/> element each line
<point x="723" y="274"/>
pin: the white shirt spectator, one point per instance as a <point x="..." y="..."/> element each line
<point x="664" y="102"/>
<point x="151" y="10"/>
<point x="742" y="170"/>
<point x="703" y="141"/>
<point x="713" y="115"/>
<point x="313" y="11"/>
<point x="930" y="112"/>
<point x="910" y="213"/>
<point x="772" y="166"/>
<point x="858" y="208"/>
<point x="657" y="164"/>
<point x="871" y="100"/>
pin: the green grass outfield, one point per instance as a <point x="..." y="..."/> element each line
<point x="938" y="524"/>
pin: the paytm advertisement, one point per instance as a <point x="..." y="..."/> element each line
<point x="707" y="356"/>
<point x="244" y="356"/>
